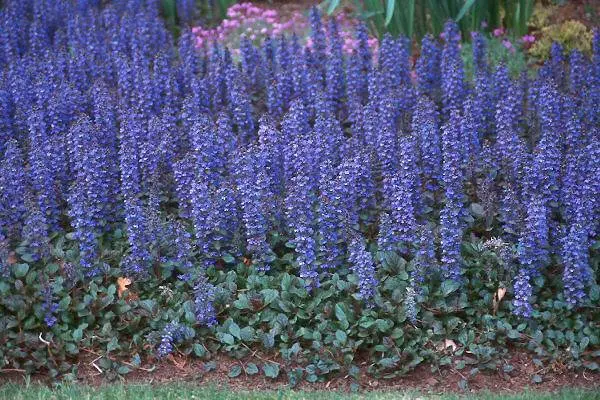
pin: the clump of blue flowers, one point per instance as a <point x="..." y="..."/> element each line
<point x="203" y="161"/>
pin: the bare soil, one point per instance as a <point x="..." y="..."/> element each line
<point x="586" y="11"/>
<point x="181" y="369"/>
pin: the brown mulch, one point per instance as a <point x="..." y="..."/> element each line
<point x="179" y="369"/>
<point x="585" y="11"/>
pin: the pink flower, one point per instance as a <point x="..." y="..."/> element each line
<point x="529" y="39"/>
<point x="254" y="10"/>
<point x="508" y="45"/>
<point x="499" y="32"/>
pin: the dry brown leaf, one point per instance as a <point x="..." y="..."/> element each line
<point x="132" y="296"/>
<point x="500" y="293"/>
<point x="498" y="296"/>
<point x="178" y="364"/>
<point x="450" y="343"/>
<point x="122" y="284"/>
<point x="12" y="258"/>
<point x="447" y="343"/>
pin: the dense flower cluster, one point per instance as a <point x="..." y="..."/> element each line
<point x="172" y="334"/>
<point x="329" y="155"/>
<point x="254" y="23"/>
<point x="49" y="306"/>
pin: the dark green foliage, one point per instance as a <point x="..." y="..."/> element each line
<point x="305" y="336"/>
<point x="419" y="17"/>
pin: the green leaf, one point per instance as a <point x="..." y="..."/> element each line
<point x="251" y="369"/>
<point x="397" y="333"/>
<point x="477" y="210"/>
<point x="383" y="325"/>
<point x="52" y="268"/>
<point x="242" y="302"/>
<point x="148" y="305"/>
<point x="595" y="292"/>
<point x="389" y="11"/>
<point x="228" y="258"/>
<point x="20" y="270"/>
<point x="136" y="360"/>
<point x="199" y="350"/>
<point x="339" y="312"/>
<point x="468" y="4"/>
<point x="106" y="329"/>
<point x="268" y="340"/>
<point x="387" y="362"/>
<point x="112" y="345"/>
<point x="112" y="289"/>
<point x="77" y="334"/>
<point x="64" y="303"/>
<point x="269" y="295"/>
<point x="513" y="334"/>
<point x="333" y="4"/>
<point x="585" y="341"/>
<point x="341" y="336"/>
<point x="27" y="258"/>
<point x="234" y="329"/>
<point x="592" y="366"/>
<point x="210" y="366"/>
<point x="236" y="370"/>
<point x="247" y="334"/>
<point x="271" y="370"/>
<point x="286" y="282"/>
<point x="449" y="286"/>
<point x="123" y="370"/>
<point x="226" y="338"/>
<point x="104" y="363"/>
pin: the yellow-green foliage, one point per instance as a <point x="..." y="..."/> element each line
<point x="541" y="16"/>
<point x="570" y="34"/>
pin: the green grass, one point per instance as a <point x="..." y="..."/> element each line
<point x="168" y="392"/>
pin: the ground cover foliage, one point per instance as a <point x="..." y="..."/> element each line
<point x="307" y="211"/>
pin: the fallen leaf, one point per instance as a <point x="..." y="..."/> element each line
<point x="122" y="284"/>
<point x="12" y="258"/>
<point x="500" y="293"/>
<point x="447" y="343"/>
<point x="431" y="381"/>
<point x="497" y="299"/>
<point x="450" y="343"/>
<point x="178" y="364"/>
<point x="132" y="296"/>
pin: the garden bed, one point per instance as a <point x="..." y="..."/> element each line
<point x="320" y="210"/>
<point x="189" y="371"/>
